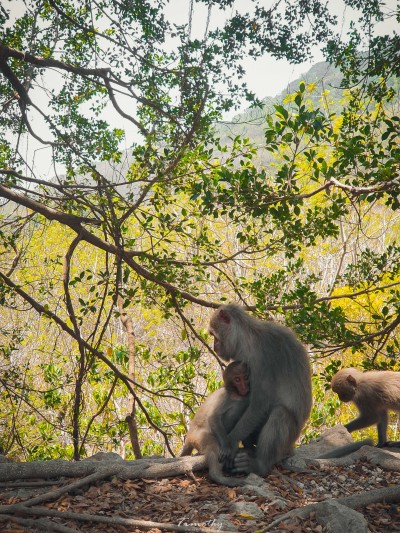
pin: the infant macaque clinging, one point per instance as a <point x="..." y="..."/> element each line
<point x="208" y="432"/>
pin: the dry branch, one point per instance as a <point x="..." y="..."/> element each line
<point x="42" y="524"/>
<point x="111" y="520"/>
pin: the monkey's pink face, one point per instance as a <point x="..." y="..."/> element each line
<point x="242" y="384"/>
<point x="217" y="340"/>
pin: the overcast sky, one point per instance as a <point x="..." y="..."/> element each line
<point x="265" y="76"/>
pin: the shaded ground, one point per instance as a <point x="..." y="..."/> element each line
<point x="196" y="502"/>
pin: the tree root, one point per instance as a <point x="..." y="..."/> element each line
<point x="153" y="468"/>
<point x="352" y="502"/>
<point x="93" y="471"/>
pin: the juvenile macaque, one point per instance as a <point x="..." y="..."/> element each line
<point x="280" y="388"/>
<point x="374" y="393"/>
<point x="215" y="417"/>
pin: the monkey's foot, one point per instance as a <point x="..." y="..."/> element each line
<point x="249" y="464"/>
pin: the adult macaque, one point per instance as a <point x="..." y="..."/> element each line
<point x="374" y="393"/>
<point x="215" y="417"/>
<point x="280" y="388"/>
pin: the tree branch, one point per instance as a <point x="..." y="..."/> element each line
<point x="75" y="223"/>
<point x="127" y="381"/>
<point x="42" y="62"/>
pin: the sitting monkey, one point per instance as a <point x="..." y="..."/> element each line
<point x="280" y="396"/>
<point x="219" y="413"/>
<point x="374" y="393"/>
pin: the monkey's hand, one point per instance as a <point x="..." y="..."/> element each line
<point x="226" y="456"/>
<point x="243" y="463"/>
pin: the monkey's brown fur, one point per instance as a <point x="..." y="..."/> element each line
<point x="280" y="386"/>
<point x="215" y="417"/>
<point x="374" y="393"/>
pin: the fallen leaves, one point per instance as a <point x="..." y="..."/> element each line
<point x="200" y="505"/>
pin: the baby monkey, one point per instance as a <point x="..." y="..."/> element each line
<point x="215" y="418"/>
<point x="374" y="393"/>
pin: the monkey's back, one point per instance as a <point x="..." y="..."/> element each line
<point x="381" y="386"/>
<point x="288" y="367"/>
<point x="211" y="404"/>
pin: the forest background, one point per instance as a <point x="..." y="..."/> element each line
<point x="112" y="259"/>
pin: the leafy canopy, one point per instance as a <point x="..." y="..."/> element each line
<point x="121" y="201"/>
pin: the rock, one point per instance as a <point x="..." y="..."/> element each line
<point x="327" y="441"/>
<point x="256" y="485"/>
<point x="223" y="523"/>
<point x="247" y="510"/>
<point x="339" y="518"/>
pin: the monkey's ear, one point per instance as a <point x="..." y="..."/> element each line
<point x="352" y="380"/>
<point x="224" y="316"/>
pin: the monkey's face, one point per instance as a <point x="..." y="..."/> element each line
<point x="236" y="379"/>
<point x="219" y="346"/>
<point x="344" y="395"/>
<point x="344" y="388"/>
<point x="220" y="329"/>
<point x="241" y="383"/>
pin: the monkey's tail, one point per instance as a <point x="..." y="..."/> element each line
<point x="346" y="449"/>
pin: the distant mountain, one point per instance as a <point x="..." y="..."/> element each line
<point x="324" y="74"/>
<point x="251" y="122"/>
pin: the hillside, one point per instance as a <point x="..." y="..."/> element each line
<point x="250" y="123"/>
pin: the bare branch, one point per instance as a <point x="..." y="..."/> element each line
<point x="143" y="130"/>
<point x="127" y="381"/>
